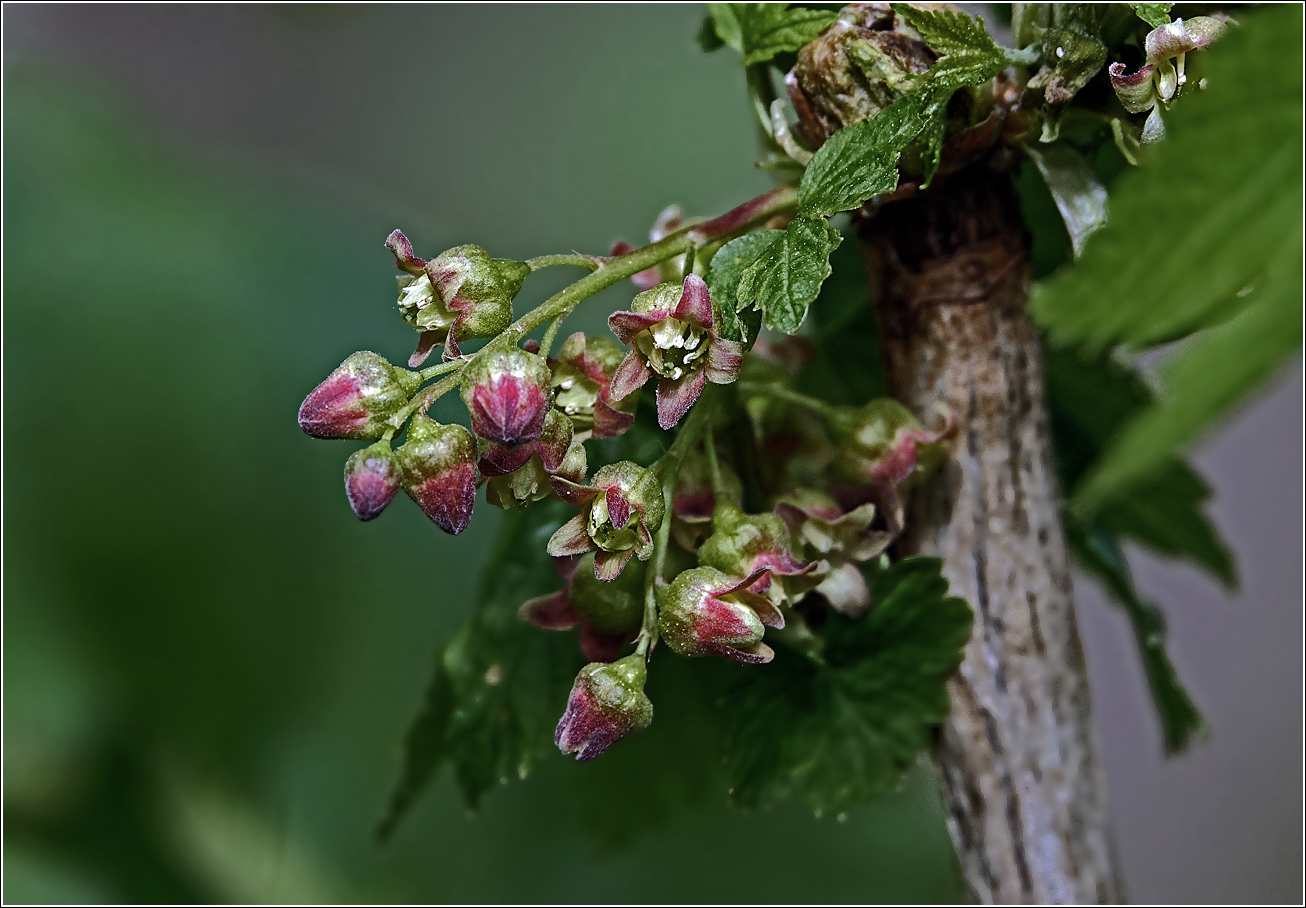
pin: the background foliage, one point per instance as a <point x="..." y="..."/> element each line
<point x="209" y="663"/>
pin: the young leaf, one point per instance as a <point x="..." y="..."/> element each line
<point x="861" y="161"/>
<point x="729" y="263"/>
<point x="968" y="55"/>
<point x="500" y="684"/>
<point x="759" y="31"/>
<point x="1080" y="196"/>
<point x="1154" y="14"/>
<point x="1089" y="400"/>
<point x="1099" y="553"/>
<point x="787" y="274"/>
<point x="841" y="732"/>
<point x="1207" y="231"/>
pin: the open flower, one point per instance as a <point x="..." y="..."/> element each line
<point x="1157" y="83"/>
<point x="675" y="335"/>
<point x="821" y="529"/>
<point x="607" y="703"/>
<point x="621" y="507"/>
<point x="582" y="382"/>
<point x="460" y="293"/>
<point x="706" y="612"/>
<point x="608" y="614"/>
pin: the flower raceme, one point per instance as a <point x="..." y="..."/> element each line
<point x="675" y="335"/>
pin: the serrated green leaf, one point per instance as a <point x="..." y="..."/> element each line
<point x="788" y="273"/>
<point x="1206" y="232"/>
<point x="1089" y="400"/>
<point x="1099" y="553"/>
<point x="759" y="31"/>
<point x="968" y="54"/>
<point x="861" y="161"/>
<point x="1080" y="196"/>
<point x="729" y="263"/>
<point x="842" y="732"/>
<point x="1154" y="14"/>
<point x="499" y="685"/>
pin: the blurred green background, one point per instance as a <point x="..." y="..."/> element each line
<point x="209" y="663"/>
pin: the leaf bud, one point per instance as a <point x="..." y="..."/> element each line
<point x="372" y="477"/>
<point x="507" y="393"/>
<point x="607" y="703"/>
<point x="439" y="464"/>
<point x="706" y="612"/>
<point x="357" y="398"/>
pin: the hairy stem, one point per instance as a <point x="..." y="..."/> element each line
<point x="1023" y="782"/>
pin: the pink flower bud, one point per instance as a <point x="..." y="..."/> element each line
<point x="372" y="477"/>
<point x="507" y="393"/>
<point x="357" y="398"/>
<point x="607" y="703"/>
<point x="439" y="464"/>
<point x="705" y="612"/>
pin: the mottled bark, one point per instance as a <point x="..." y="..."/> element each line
<point x="1022" y="778"/>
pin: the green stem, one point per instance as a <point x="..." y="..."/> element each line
<point x="709" y="444"/>
<point x="547" y="261"/>
<point x="428" y="395"/>
<point x="668" y="469"/>
<point x="439" y="369"/>
<point x="549" y="333"/>
<point x="616" y="269"/>
<point x="780" y="392"/>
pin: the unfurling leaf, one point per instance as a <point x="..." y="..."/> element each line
<point x="759" y="31"/>
<point x="787" y="274"/>
<point x="1079" y="194"/>
<point x="842" y="731"/>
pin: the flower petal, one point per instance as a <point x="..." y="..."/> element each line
<point x="757" y="654"/>
<point x="570" y="538"/>
<point x="618" y="508"/>
<point x="397" y="243"/>
<point x="608" y="565"/>
<point x="627" y="324"/>
<point x="676" y="397"/>
<point x="1136" y="91"/>
<point x="845" y="589"/>
<point x="630" y="376"/>
<point x="724" y="358"/>
<point x="426" y="342"/>
<point x="609" y="423"/>
<point x="695" y="303"/>
<point x="601" y="647"/>
<point x="552" y="613"/>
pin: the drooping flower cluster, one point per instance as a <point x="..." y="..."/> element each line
<point x="762" y="512"/>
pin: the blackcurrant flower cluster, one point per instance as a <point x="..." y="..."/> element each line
<point x="664" y="551"/>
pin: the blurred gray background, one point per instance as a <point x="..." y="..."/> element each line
<point x="206" y="683"/>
